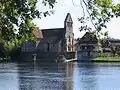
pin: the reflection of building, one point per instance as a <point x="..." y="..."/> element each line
<point x="69" y="76"/>
<point x="85" y="76"/>
<point x="56" y="41"/>
<point x="42" y="76"/>
<point x="88" y="46"/>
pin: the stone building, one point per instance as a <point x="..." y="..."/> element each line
<point x="56" y="41"/>
<point x="111" y="47"/>
<point x="88" y="47"/>
<point x="106" y="50"/>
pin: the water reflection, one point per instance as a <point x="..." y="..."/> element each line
<point x="42" y="76"/>
<point x="69" y="76"/>
<point x="96" y="76"/>
<point x="85" y="76"/>
<point x="8" y="76"/>
<point x="59" y="76"/>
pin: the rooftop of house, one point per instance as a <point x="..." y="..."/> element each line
<point x="68" y="16"/>
<point x="52" y="35"/>
<point x="109" y="41"/>
<point x="88" y="38"/>
<point x="114" y="40"/>
<point x="37" y="33"/>
<point x="52" y="32"/>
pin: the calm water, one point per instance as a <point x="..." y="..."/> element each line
<point x="59" y="76"/>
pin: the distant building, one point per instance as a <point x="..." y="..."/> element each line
<point x="106" y="50"/>
<point x="109" y="45"/>
<point x="55" y="41"/>
<point x="114" y="41"/>
<point x="88" y="47"/>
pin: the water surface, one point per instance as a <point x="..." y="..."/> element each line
<point x="59" y="76"/>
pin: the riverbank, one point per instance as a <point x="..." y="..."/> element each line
<point x="106" y="59"/>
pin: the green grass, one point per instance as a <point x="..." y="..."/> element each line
<point x="111" y="59"/>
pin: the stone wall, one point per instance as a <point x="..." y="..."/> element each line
<point x="83" y="55"/>
<point x="46" y="56"/>
<point x="68" y="55"/>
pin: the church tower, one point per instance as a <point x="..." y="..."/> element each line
<point x="69" y="36"/>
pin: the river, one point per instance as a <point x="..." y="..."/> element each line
<point x="59" y="76"/>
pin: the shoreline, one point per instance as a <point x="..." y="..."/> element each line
<point x="98" y="59"/>
<point x="106" y="59"/>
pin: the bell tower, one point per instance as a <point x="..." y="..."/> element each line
<point x="68" y="23"/>
<point x="69" y="36"/>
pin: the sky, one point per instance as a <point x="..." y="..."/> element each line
<point x="61" y="8"/>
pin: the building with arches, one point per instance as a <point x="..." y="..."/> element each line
<point x="56" y="41"/>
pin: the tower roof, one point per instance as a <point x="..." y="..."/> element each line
<point x="68" y="18"/>
<point x="37" y="33"/>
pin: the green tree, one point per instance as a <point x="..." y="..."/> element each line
<point x="115" y="49"/>
<point x="98" y="12"/>
<point x="19" y="13"/>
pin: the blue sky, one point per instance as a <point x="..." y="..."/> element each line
<point x="61" y="9"/>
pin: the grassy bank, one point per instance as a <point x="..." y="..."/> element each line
<point x="107" y="59"/>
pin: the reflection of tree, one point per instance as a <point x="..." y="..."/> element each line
<point x="9" y="76"/>
<point x="26" y="80"/>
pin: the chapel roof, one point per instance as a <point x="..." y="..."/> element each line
<point x="52" y="35"/>
<point x="88" y="38"/>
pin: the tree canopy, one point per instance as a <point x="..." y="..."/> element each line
<point x="98" y="12"/>
<point x="16" y="20"/>
<point x="20" y="13"/>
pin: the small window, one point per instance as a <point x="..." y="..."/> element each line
<point x="48" y="47"/>
<point x="69" y="38"/>
<point x="69" y="24"/>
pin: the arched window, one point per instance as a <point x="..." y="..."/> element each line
<point x="69" y="47"/>
<point x="69" y="24"/>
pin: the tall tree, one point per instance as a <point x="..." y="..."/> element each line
<point x="98" y="12"/>
<point x="19" y="13"/>
<point x="115" y="49"/>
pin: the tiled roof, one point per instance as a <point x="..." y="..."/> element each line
<point x="107" y="42"/>
<point x="52" y="35"/>
<point x="52" y="32"/>
<point x="37" y="33"/>
<point x="88" y="38"/>
<point x="114" y="40"/>
<point x="68" y="14"/>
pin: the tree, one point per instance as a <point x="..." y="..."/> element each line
<point x="19" y="13"/>
<point x="115" y="49"/>
<point x="98" y="12"/>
